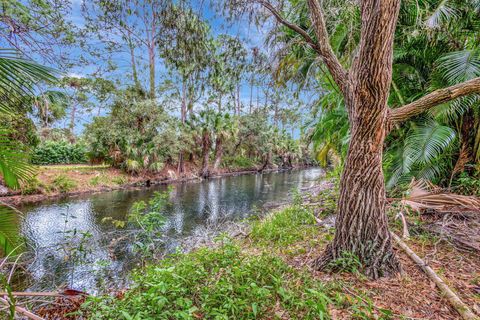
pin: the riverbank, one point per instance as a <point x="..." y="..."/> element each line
<point x="261" y="268"/>
<point x="62" y="181"/>
<point x="265" y="273"/>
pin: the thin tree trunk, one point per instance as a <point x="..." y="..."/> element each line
<point x="183" y="117"/>
<point x="267" y="162"/>
<point x="206" y="143"/>
<point x="133" y="62"/>
<point x="251" y="95"/>
<point x="71" y="126"/>
<point x="218" y="154"/>
<point x="239" y="103"/>
<point x="151" y="62"/>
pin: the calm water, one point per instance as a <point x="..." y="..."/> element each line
<point x="56" y="230"/>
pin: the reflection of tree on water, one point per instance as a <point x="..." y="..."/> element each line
<point x="194" y="208"/>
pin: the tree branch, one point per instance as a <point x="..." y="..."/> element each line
<point x="267" y="5"/>
<point x="339" y="74"/>
<point x="321" y="46"/>
<point x="433" y="99"/>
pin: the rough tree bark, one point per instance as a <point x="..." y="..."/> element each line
<point x="361" y="224"/>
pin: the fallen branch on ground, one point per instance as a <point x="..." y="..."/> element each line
<point x="454" y="300"/>
<point x="64" y="293"/>
<point x="22" y="311"/>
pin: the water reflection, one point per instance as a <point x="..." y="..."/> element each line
<point x="54" y="228"/>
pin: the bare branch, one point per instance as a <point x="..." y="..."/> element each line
<point x="339" y="74"/>
<point x="433" y="99"/>
<point x="322" y="46"/>
<point x="267" y="5"/>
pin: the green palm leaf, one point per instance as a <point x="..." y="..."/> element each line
<point x="428" y="141"/>
<point x="442" y="14"/>
<point x="460" y="66"/>
<point x="421" y="153"/>
<point x="14" y="161"/>
<point x="9" y="235"/>
<point x="18" y="77"/>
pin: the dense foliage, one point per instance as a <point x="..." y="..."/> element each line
<point x="436" y="45"/>
<point x="222" y="283"/>
<point x="58" y="152"/>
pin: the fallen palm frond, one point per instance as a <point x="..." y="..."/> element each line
<point x="450" y="216"/>
<point x="425" y="196"/>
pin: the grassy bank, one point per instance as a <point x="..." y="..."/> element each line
<point x="54" y="181"/>
<point x="267" y="275"/>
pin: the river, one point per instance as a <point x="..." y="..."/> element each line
<point x="72" y="245"/>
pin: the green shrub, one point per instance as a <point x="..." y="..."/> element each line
<point x="62" y="183"/>
<point x="238" y="162"/>
<point x="99" y="180"/>
<point x="285" y="227"/>
<point x="31" y="186"/>
<point x="468" y="184"/>
<point x="221" y="283"/>
<point x="59" y="152"/>
<point x="120" y="180"/>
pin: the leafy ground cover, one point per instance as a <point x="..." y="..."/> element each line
<point x="267" y="275"/>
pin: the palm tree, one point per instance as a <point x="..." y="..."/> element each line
<point x="224" y="128"/>
<point x="203" y="125"/>
<point x="17" y="80"/>
<point x="436" y="46"/>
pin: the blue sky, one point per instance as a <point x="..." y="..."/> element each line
<point x="247" y="32"/>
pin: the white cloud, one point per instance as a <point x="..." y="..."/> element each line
<point x="75" y="75"/>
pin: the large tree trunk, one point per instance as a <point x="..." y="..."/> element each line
<point x="361" y="225"/>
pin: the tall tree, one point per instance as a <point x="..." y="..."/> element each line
<point x="227" y="67"/>
<point x="122" y="27"/>
<point x="361" y="224"/>
<point x="185" y="47"/>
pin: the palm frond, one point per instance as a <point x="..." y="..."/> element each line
<point x="444" y="13"/>
<point x="451" y="111"/>
<point x="460" y="66"/>
<point x="14" y="161"/>
<point x="18" y="77"/>
<point x="9" y="235"/>
<point x="428" y="141"/>
<point x="421" y="153"/>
